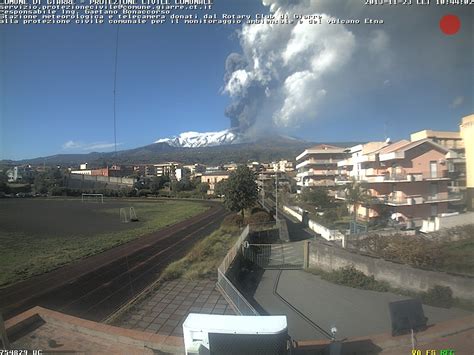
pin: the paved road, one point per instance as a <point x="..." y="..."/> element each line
<point x="95" y="287"/>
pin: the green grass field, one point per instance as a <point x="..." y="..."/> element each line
<point x="39" y="236"/>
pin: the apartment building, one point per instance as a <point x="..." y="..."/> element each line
<point x="467" y="134"/>
<point x="283" y="166"/>
<point x="409" y="180"/>
<point x="317" y="166"/>
<point x="457" y="165"/>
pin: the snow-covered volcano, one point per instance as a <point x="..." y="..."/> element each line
<point x="204" y="139"/>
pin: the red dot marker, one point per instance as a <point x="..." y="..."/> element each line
<point x="450" y="24"/>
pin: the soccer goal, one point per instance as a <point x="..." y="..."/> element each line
<point x="98" y="198"/>
<point x="128" y="215"/>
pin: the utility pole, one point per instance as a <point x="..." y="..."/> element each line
<point x="276" y="196"/>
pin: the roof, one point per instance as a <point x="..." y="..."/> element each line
<point x="399" y="148"/>
<point x="372" y="147"/>
<point x="391" y="147"/>
<point x="216" y="173"/>
<point x="412" y="145"/>
<point x="322" y="149"/>
<point x="428" y="133"/>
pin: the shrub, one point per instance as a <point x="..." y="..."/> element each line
<point x="256" y="210"/>
<point x="438" y="296"/>
<point x="233" y="220"/>
<point x="259" y="217"/>
<point x="351" y="277"/>
<point x="175" y="270"/>
<point x="144" y="192"/>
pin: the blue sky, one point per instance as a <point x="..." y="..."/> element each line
<point x="57" y="81"/>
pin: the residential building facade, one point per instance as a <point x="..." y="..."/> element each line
<point x="317" y="166"/>
<point x="457" y="165"/>
<point x="212" y="178"/>
<point x="405" y="180"/>
<point x="467" y="134"/>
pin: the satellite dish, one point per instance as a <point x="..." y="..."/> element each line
<point x="387" y="140"/>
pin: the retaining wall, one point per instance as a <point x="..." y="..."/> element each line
<point x="329" y="258"/>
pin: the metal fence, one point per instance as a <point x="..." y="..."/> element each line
<point x="233" y="296"/>
<point x="276" y="256"/>
<point x="232" y="253"/>
<point x="225" y="286"/>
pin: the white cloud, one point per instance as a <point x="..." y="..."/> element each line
<point x="458" y="101"/>
<point x="71" y="145"/>
<point x="81" y="146"/>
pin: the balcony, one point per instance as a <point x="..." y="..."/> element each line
<point x="443" y="197"/>
<point x="402" y="177"/>
<point x="313" y="172"/>
<point x="316" y="162"/>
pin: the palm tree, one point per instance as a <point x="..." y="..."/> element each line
<point x="355" y="195"/>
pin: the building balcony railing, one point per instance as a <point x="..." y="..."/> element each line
<point x="312" y="172"/>
<point x="443" y="197"/>
<point x="316" y="162"/>
<point x="406" y="200"/>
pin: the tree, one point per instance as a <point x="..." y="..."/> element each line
<point x="356" y="195"/>
<point x="202" y="187"/>
<point x="157" y="183"/>
<point x="4" y="183"/>
<point x="317" y="196"/>
<point x="220" y="188"/>
<point x="241" y="190"/>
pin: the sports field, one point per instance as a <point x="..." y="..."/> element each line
<point x="38" y="235"/>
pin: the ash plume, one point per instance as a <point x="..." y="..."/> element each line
<point x="280" y="79"/>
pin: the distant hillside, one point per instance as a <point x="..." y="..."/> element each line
<point x="269" y="149"/>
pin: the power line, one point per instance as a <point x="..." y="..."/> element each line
<point x="115" y="92"/>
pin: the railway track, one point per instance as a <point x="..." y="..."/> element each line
<point x="95" y="287"/>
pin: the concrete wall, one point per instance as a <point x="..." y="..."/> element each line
<point x="293" y="213"/>
<point x="96" y="182"/>
<point x="325" y="232"/>
<point x="447" y="222"/>
<point x="329" y="258"/>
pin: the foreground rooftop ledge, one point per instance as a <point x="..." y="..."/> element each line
<point x="387" y="342"/>
<point x="21" y="325"/>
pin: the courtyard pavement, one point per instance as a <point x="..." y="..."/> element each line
<point x="352" y="311"/>
<point x="166" y="310"/>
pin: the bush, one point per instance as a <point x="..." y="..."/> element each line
<point x="233" y="220"/>
<point x="259" y="217"/>
<point x="256" y="209"/>
<point x="351" y="277"/>
<point x="175" y="270"/>
<point x="438" y="296"/>
<point x="144" y="192"/>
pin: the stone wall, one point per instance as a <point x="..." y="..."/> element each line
<point x="328" y="257"/>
